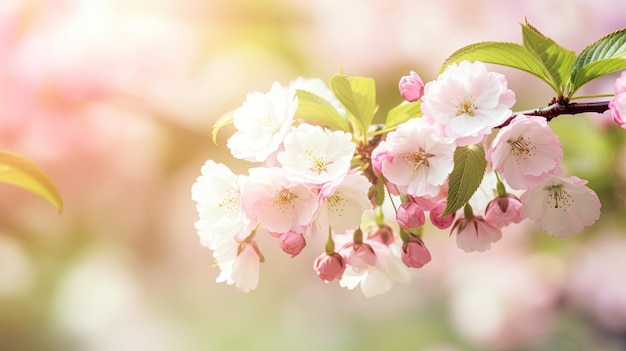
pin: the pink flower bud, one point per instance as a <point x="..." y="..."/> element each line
<point x="411" y="87"/>
<point x="359" y="256"/>
<point x="503" y="210"/>
<point x="441" y="222"/>
<point x="414" y="252"/>
<point x="617" y="105"/>
<point x="329" y="267"/>
<point x="292" y="243"/>
<point x="384" y="235"/>
<point x="410" y="215"/>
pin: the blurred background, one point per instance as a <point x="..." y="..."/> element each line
<point x="115" y="100"/>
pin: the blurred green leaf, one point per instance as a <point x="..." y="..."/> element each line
<point x="314" y="108"/>
<point x="467" y="174"/>
<point x="556" y="60"/>
<point x="604" y="56"/>
<point x="19" y="171"/>
<point x="358" y="95"/>
<point x="402" y="113"/>
<point x="225" y="120"/>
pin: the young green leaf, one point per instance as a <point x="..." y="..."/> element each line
<point x="469" y="169"/>
<point x="19" y="171"/>
<point x="500" y="53"/>
<point x="358" y="96"/>
<point x="314" y="108"/>
<point x="556" y="60"/>
<point x="225" y="120"/>
<point x="604" y="56"/>
<point x="402" y="113"/>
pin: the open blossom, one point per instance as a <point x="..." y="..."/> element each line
<point x="411" y="87"/>
<point x="467" y="101"/>
<point x="262" y="122"/>
<point x="377" y="278"/>
<point x="475" y="234"/>
<point x="561" y="206"/>
<point x="315" y="155"/>
<point x="239" y="263"/>
<point x="277" y="203"/>
<point x="217" y="193"/>
<point x="343" y="205"/>
<point x="416" y="158"/>
<point x="525" y="151"/>
<point x="617" y="105"/>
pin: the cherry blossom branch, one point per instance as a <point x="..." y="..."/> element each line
<point x="561" y="108"/>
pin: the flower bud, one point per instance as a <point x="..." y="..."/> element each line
<point x="411" y="87"/>
<point x="359" y="256"/>
<point x="617" y="105"/>
<point x="414" y="252"/>
<point x="503" y="210"/>
<point x="441" y="222"/>
<point x="329" y="267"/>
<point x="292" y="243"/>
<point x="384" y="235"/>
<point x="410" y="215"/>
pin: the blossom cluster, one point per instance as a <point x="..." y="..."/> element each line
<point x="310" y="180"/>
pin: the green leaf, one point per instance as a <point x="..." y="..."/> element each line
<point x="402" y="113"/>
<point x="604" y="56"/>
<point x="469" y="169"/>
<point x="314" y="108"/>
<point x="225" y="120"/>
<point x="556" y="60"/>
<point x="19" y="171"/>
<point x="358" y="95"/>
<point x="500" y="53"/>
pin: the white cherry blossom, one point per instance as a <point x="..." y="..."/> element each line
<point x="262" y="122"/>
<point x="561" y="206"/>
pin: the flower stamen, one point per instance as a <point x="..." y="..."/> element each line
<point x="557" y="196"/>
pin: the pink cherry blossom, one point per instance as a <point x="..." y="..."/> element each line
<point x="416" y="158"/>
<point x="383" y="234"/>
<point x="378" y="278"/>
<point x="410" y="215"/>
<point x="358" y="255"/>
<point x="414" y="252"/>
<point x="329" y="267"/>
<point x="342" y="205"/>
<point x="292" y="243"/>
<point x="246" y="267"/>
<point x="262" y="123"/>
<point x="277" y="203"/>
<point x="217" y="193"/>
<point x="474" y="234"/>
<point x="503" y="210"/>
<point x="239" y="263"/>
<point x="441" y="222"/>
<point x="411" y="87"/>
<point x="316" y="155"/>
<point x="617" y="105"/>
<point x="525" y="151"/>
<point x="562" y="206"/>
<point x="467" y="101"/>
